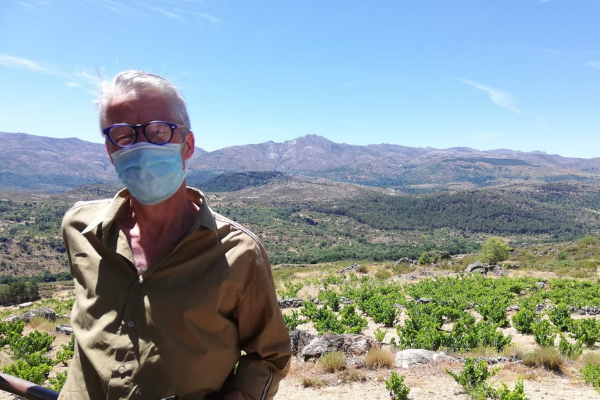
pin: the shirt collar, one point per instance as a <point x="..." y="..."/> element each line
<point x="108" y="214"/>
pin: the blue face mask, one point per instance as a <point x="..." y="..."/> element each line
<point x="152" y="173"/>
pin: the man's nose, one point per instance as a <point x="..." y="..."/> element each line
<point x="141" y="137"/>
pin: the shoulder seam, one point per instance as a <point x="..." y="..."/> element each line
<point x="80" y="204"/>
<point x="238" y="226"/>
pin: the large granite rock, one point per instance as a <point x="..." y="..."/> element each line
<point x="47" y="313"/>
<point x="350" y="344"/>
<point x="300" y="339"/>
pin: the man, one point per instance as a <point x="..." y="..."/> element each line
<point x="168" y="293"/>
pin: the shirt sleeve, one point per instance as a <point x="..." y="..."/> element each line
<point x="262" y="335"/>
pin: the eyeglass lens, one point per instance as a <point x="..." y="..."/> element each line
<point x="158" y="133"/>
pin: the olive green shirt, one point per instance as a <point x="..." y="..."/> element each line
<point x="178" y="329"/>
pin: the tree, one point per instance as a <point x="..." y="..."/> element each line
<point x="424" y="259"/>
<point x="494" y="250"/>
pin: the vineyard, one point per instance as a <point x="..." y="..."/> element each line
<point x="531" y="320"/>
<point x="461" y="315"/>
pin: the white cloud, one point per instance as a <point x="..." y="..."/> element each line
<point x="500" y="98"/>
<point x="211" y="18"/>
<point x="18" y="62"/>
<point x="593" y="64"/>
<point x="72" y="84"/>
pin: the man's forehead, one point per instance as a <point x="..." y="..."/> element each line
<point x="138" y="107"/>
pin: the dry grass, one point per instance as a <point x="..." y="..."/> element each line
<point x="333" y="361"/>
<point x="401" y="269"/>
<point x="313" y="382"/>
<point x="547" y="357"/>
<point x="353" y="375"/>
<point x="380" y="358"/>
<point x="362" y="269"/>
<point x="383" y="274"/>
<point x="590" y="357"/>
<point x="45" y="325"/>
<point x="514" y="350"/>
<point x="480" y="351"/>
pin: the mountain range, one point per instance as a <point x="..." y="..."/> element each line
<point x="29" y="162"/>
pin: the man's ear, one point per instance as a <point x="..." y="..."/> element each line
<point x="190" y="145"/>
<point x="109" y="155"/>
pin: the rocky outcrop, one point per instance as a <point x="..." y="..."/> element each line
<point x="291" y="303"/>
<point x="349" y="268"/>
<point x="47" y="313"/>
<point x="478" y="266"/>
<point x="299" y="340"/>
<point x="350" y="344"/>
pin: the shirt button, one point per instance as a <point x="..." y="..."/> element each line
<point x="130" y="324"/>
<point x="121" y="369"/>
<point x="141" y="279"/>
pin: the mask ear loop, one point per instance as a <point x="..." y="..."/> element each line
<point x="180" y="148"/>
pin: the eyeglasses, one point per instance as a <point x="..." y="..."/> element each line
<point x="156" y="132"/>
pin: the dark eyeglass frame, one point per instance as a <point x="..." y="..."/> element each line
<point x="136" y="127"/>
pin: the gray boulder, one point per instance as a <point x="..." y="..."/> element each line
<point x="290" y="303"/>
<point x="300" y="339"/>
<point x="350" y="344"/>
<point x="406" y="358"/>
<point x="350" y="268"/>
<point x="47" y="313"/>
<point x="64" y="329"/>
<point x="477" y="266"/>
<point x="499" y="270"/>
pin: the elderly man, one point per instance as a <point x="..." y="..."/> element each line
<point x="168" y="292"/>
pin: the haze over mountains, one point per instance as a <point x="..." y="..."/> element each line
<point x="29" y="162"/>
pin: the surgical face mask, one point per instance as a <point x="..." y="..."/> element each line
<point x="152" y="173"/>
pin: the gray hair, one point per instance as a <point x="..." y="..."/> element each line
<point x="134" y="80"/>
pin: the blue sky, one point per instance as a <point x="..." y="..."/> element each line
<point x="488" y="74"/>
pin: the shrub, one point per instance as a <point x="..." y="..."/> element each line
<point x="291" y="290"/>
<point x="312" y="382"/>
<point x="383" y="274"/>
<point x="569" y="350"/>
<point x="518" y="393"/>
<point x="547" y="357"/>
<point x="560" y="316"/>
<point x="591" y="374"/>
<point x="523" y="319"/>
<point x="353" y="375"/>
<point x="352" y="322"/>
<point x="32" y="343"/>
<point x="494" y="311"/>
<point x="403" y="268"/>
<point x="57" y="383"/>
<point x="333" y="361"/>
<point x="9" y="330"/>
<point x="587" y="330"/>
<point x="424" y="259"/>
<point x="292" y="321"/>
<point x="494" y="250"/>
<point x="379" y="358"/>
<point x="473" y="378"/>
<point x="543" y="333"/>
<point x="561" y="256"/>
<point x="331" y="299"/>
<point x="380" y="334"/>
<point x="33" y="367"/>
<point x="398" y="390"/>
<point x="362" y="269"/>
